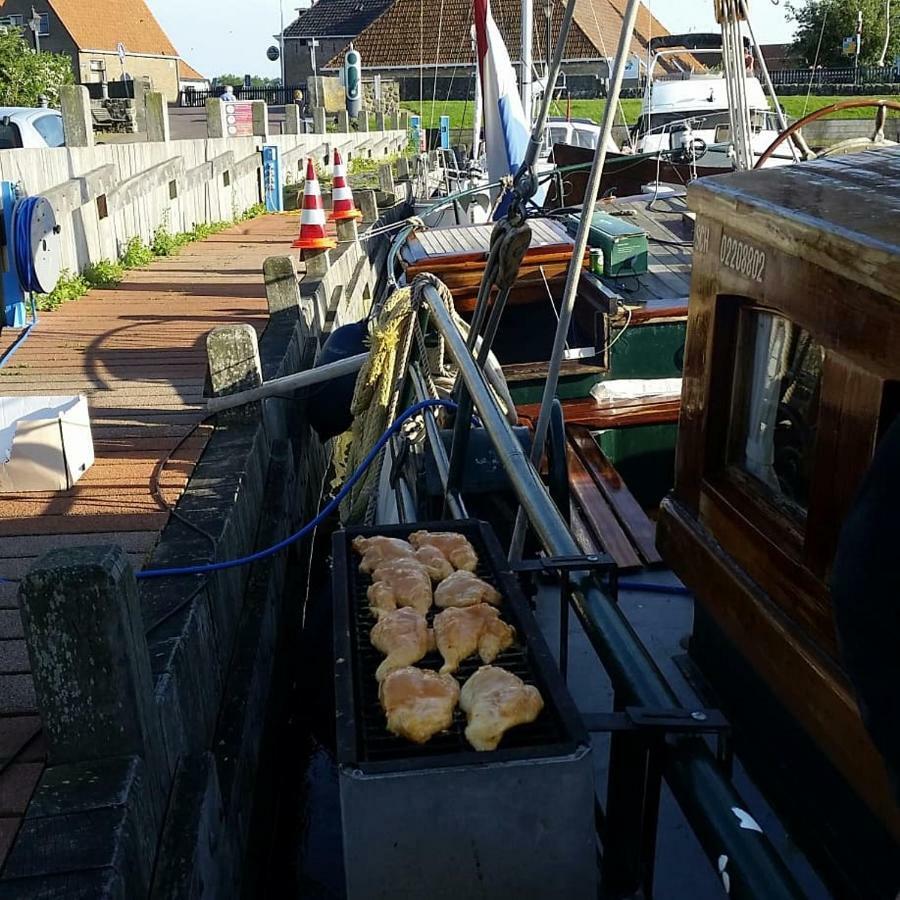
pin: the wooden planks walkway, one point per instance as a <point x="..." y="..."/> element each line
<point x="138" y="353"/>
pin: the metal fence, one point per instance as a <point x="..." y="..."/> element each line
<point x="274" y="96"/>
<point x="842" y="75"/>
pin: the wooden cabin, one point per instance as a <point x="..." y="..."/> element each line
<point x="792" y="372"/>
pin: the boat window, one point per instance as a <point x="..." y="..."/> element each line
<point x="775" y="405"/>
<point x="10" y="138"/>
<point x="585" y="138"/>
<point x="558" y="134"/>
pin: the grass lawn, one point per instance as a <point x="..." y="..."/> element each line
<point x="460" y="111"/>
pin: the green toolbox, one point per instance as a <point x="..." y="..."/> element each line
<point x="624" y="245"/>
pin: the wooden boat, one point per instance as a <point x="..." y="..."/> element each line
<point x="791" y="372"/>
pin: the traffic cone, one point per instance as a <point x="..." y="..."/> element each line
<point x="342" y="205"/>
<point x="312" y="218"/>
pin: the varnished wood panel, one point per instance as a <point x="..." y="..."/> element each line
<point x="810" y="687"/>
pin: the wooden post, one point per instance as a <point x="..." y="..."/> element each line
<point x="157" y="115"/>
<point x="292" y="119"/>
<point x="234" y="364"/>
<point x="78" y="124"/>
<point x="368" y="205"/>
<point x="90" y="662"/>
<point x="282" y="287"/>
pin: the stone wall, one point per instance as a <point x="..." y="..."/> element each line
<point x="390" y="95"/>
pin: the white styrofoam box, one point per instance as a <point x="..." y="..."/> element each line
<point x="45" y="443"/>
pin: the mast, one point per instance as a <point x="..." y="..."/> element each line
<point x="527" y="57"/>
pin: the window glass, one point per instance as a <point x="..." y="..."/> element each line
<point x="585" y="138"/>
<point x="9" y="136"/>
<point x="50" y="128"/>
<point x="775" y="406"/>
<point x="44" y="30"/>
<point x="559" y="134"/>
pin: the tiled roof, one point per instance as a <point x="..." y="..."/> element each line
<point x="103" y="24"/>
<point x="337" y="18"/>
<point x="187" y="72"/>
<point x="393" y="39"/>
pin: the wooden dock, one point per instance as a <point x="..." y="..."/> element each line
<point x="138" y="353"/>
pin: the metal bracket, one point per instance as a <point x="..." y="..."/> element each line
<point x="593" y="562"/>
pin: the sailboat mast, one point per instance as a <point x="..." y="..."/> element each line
<point x="526" y="86"/>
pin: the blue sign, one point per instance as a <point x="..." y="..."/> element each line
<point x="272" y="179"/>
<point x="10" y="288"/>
<point x="415" y="131"/>
<point x="445" y="132"/>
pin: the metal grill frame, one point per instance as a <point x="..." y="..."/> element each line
<point x="355" y="663"/>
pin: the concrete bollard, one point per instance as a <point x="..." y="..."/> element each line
<point x="386" y="178"/>
<point x="402" y="168"/>
<point x="90" y="662"/>
<point x="343" y="121"/>
<point x="367" y="203"/>
<point x="216" y="126"/>
<point x="394" y="121"/>
<point x="260" y="118"/>
<point x="78" y="124"/>
<point x="319" y="120"/>
<point x="142" y="87"/>
<point x="292" y="119"/>
<point x="318" y="262"/>
<point x="282" y="288"/>
<point x="234" y="364"/>
<point x="347" y="230"/>
<point x="403" y="121"/>
<point x="157" y="113"/>
<point x="362" y="120"/>
<point x="379" y="121"/>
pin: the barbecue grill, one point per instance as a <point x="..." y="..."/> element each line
<point x="442" y="820"/>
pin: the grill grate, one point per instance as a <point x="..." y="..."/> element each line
<point x="363" y="737"/>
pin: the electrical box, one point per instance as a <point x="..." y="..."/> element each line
<point x="624" y="244"/>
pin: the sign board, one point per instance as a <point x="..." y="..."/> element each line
<point x="848" y="46"/>
<point x="445" y="132"/>
<point x="271" y="174"/>
<point x="248" y="82"/>
<point x="273" y="53"/>
<point x="239" y="119"/>
<point x="416" y="132"/>
<point x="120" y="49"/>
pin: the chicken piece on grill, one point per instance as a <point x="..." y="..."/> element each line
<point x="459" y="633"/>
<point x="494" y="701"/>
<point x="403" y="636"/>
<point x="418" y="702"/>
<point x="454" y="546"/>
<point x="436" y="564"/>
<point x="377" y="551"/>
<point x="402" y="582"/>
<point x="462" y="588"/>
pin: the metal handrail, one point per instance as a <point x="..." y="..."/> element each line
<point x="708" y="798"/>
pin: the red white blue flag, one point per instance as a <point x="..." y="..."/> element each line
<point x="506" y="129"/>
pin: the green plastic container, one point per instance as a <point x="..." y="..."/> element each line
<point x="624" y="245"/>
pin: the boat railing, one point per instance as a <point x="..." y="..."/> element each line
<point x="697" y="778"/>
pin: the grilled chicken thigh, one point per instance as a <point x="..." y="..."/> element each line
<point x="377" y="551"/>
<point x="459" y="633"/>
<point x="462" y="588"/>
<point x="404" y="637"/>
<point x="418" y="702"/>
<point x="454" y="546"/>
<point x="401" y="582"/>
<point x="436" y="564"/>
<point x="495" y="701"/>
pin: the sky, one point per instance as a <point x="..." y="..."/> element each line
<point x="219" y="36"/>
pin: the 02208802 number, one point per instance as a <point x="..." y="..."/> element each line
<point x="742" y="258"/>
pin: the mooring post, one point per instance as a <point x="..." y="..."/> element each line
<point x="386" y="178"/>
<point x="319" y="120"/>
<point x="379" y="121"/>
<point x="260" y="118"/>
<point x="347" y="230"/>
<point x="368" y="205"/>
<point x="402" y="169"/>
<point x="282" y="287"/>
<point x="216" y="126"/>
<point x="318" y="262"/>
<point x="395" y="121"/>
<point x="343" y="121"/>
<point x="292" y="119"/>
<point x="90" y="662"/>
<point x="362" y="120"/>
<point x="78" y="123"/>
<point x="403" y="121"/>
<point x="157" y="113"/>
<point x="234" y="364"/>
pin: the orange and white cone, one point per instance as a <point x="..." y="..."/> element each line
<point x="342" y="205"/>
<point x="312" y="217"/>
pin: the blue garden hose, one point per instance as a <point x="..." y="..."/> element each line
<point x="207" y="568"/>
<point x="24" y="263"/>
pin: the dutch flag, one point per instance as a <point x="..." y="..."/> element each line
<point x="506" y="130"/>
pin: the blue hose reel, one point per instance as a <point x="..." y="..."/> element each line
<point x="32" y="251"/>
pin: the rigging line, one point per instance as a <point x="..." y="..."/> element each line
<point x="812" y="71"/>
<point x="619" y="106"/>
<point x="422" y="62"/>
<point x="550" y="297"/>
<point x="437" y="54"/>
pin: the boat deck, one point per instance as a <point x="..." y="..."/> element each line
<point x="138" y="353"/>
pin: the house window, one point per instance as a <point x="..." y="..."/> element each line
<point x="98" y="70"/>
<point x="775" y="406"/>
<point x="12" y="21"/>
<point x="44" y="29"/>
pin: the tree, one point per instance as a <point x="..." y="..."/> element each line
<point x="256" y="81"/>
<point x="26" y="75"/>
<point x="839" y="20"/>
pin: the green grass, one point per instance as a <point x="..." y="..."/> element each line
<point x="461" y="112"/>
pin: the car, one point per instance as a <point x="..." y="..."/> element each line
<point x="23" y="126"/>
